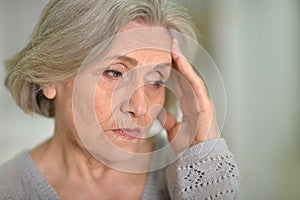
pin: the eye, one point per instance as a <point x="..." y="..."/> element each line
<point x="154" y="79"/>
<point x="113" y="74"/>
<point x="156" y="84"/>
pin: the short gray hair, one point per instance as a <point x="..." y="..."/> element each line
<point x="65" y="34"/>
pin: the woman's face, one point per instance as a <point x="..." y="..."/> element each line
<point x="117" y="99"/>
<point x="129" y="95"/>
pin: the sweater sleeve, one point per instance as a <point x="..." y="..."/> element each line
<point x="204" y="171"/>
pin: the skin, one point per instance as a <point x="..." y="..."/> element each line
<point x="69" y="166"/>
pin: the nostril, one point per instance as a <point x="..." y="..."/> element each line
<point x="138" y="103"/>
<point x="138" y="108"/>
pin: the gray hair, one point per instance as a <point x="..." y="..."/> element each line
<point x="65" y="34"/>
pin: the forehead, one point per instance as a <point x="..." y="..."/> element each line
<point x="136" y="36"/>
<point x="141" y="30"/>
<point x="149" y="56"/>
<point x="146" y="44"/>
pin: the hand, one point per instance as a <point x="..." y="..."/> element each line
<point x="199" y="118"/>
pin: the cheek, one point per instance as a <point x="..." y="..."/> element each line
<point x="63" y="101"/>
<point x="155" y="95"/>
<point x="156" y="103"/>
<point x="161" y="97"/>
<point x="103" y="99"/>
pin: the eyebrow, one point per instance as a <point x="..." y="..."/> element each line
<point x="161" y="66"/>
<point x="127" y="59"/>
<point x="134" y="62"/>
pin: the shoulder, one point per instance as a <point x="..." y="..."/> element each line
<point x="12" y="178"/>
<point x="21" y="179"/>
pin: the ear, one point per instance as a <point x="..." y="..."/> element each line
<point x="49" y="91"/>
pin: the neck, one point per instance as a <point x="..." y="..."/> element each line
<point x="63" y="160"/>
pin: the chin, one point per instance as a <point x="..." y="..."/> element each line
<point x="122" y="156"/>
<point x="130" y="145"/>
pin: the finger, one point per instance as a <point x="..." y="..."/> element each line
<point x="184" y="67"/>
<point x="204" y="102"/>
<point x="181" y="63"/>
<point x="208" y="125"/>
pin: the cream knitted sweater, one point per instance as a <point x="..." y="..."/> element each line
<point x="204" y="171"/>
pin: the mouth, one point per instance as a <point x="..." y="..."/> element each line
<point x="127" y="133"/>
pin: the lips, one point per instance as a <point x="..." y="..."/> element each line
<point x="127" y="133"/>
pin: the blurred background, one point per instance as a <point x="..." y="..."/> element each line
<point x="256" y="46"/>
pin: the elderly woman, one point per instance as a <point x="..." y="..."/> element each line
<point x="102" y="69"/>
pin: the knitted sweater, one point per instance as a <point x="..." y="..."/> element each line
<point x="204" y="171"/>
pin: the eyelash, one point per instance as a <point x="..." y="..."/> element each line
<point x="116" y="75"/>
<point x="157" y="84"/>
<point x="113" y="73"/>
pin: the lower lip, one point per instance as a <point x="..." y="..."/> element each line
<point x="129" y="135"/>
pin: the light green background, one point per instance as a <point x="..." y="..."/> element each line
<point x="256" y="46"/>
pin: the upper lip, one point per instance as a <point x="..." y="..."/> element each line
<point x="129" y="131"/>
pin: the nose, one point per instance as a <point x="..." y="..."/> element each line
<point x="138" y="104"/>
